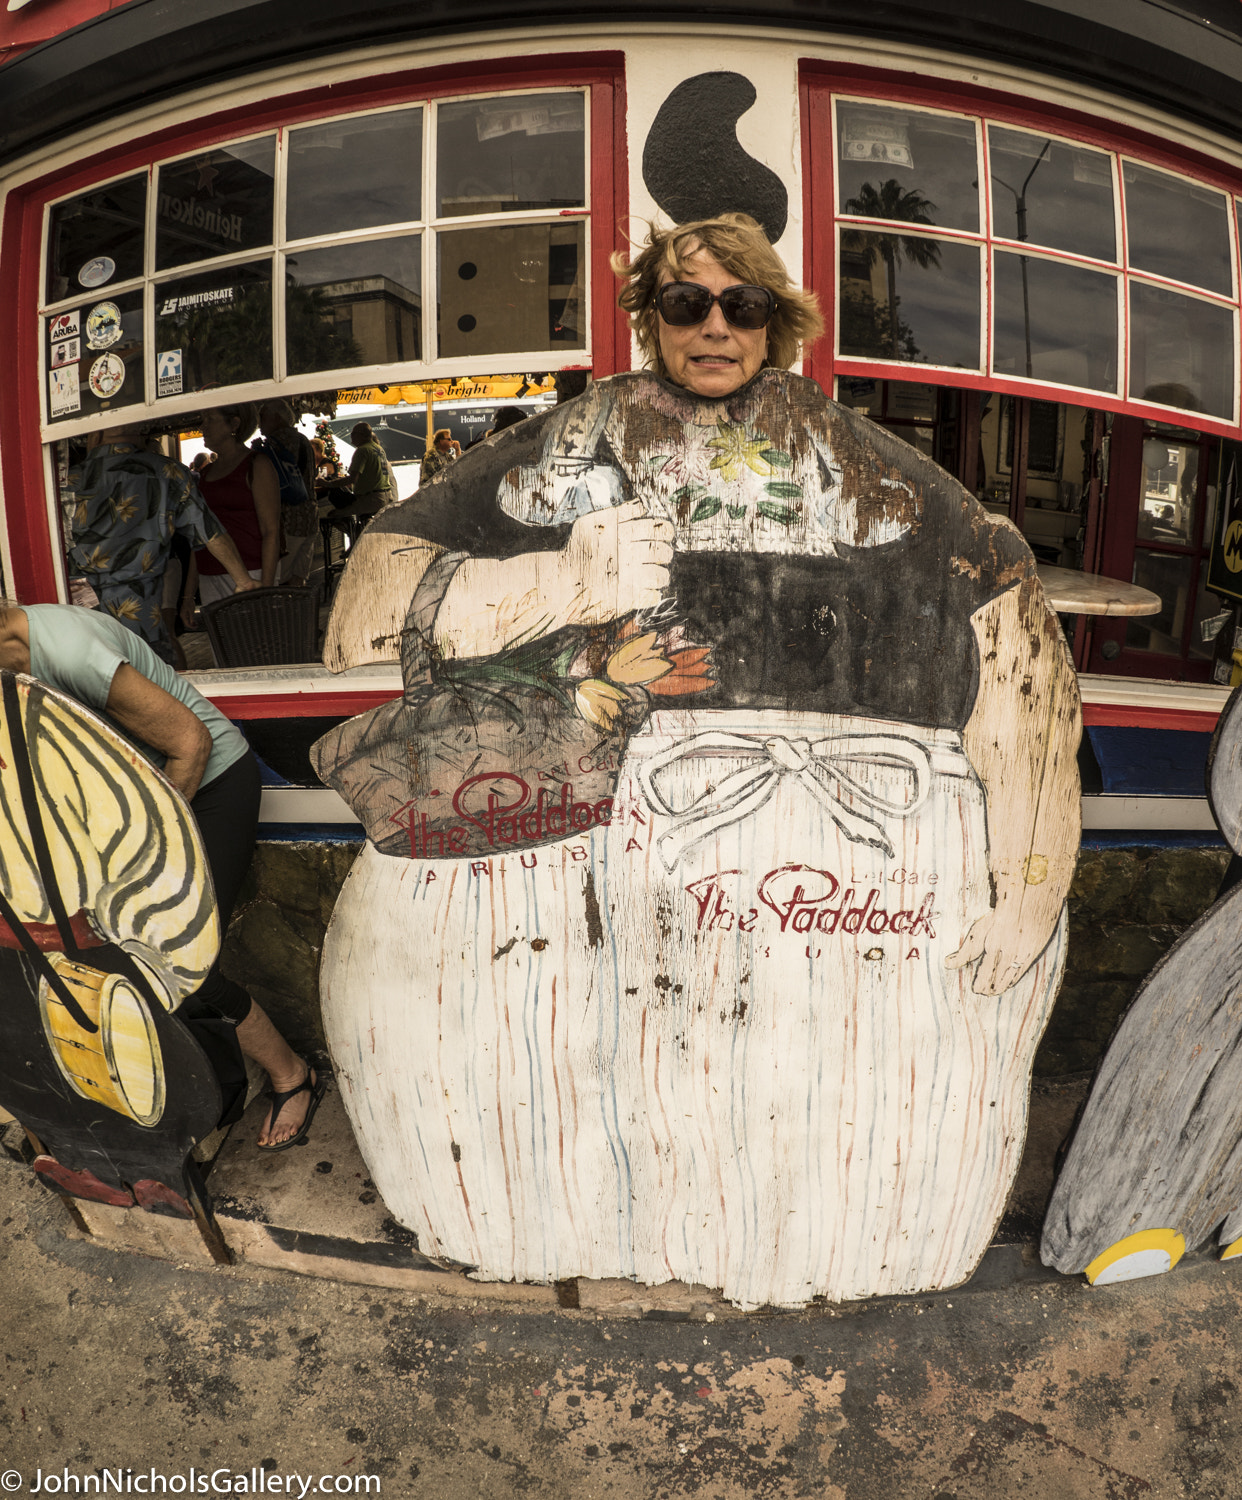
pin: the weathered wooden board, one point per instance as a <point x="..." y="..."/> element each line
<point x="107" y="922"/>
<point x="713" y="908"/>
<point x="1155" y="1167"/>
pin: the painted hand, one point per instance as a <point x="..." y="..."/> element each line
<point x="617" y="561"/>
<point x="1010" y="937"/>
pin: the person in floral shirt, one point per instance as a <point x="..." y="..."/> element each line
<point x="129" y="503"/>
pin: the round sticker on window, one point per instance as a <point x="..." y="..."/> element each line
<point x="103" y="325"/>
<point x="96" y="272"/>
<point x="107" y="376"/>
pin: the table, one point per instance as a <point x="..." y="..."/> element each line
<point x="1073" y="593"/>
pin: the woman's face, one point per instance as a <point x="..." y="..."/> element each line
<point x="217" y="429"/>
<point x="712" y="358"/>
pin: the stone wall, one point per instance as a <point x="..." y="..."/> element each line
<point x="277" y="933"/>
<point x="1127" y="908"/>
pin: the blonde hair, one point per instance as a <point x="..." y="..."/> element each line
<point x="436" y="436"/>
<point x="739" y="245"/>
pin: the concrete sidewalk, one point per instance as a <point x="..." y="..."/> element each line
<point x="1021" y="1383"/>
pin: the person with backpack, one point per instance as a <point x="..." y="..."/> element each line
<point x="294" y="461"/>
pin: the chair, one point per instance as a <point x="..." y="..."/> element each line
<point x="350" y="528"/>
<point x="264" y="627"/>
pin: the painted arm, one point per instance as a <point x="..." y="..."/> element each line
<point x="265" y="490"/>
<point x="615" y="561"/>
<point x="144" y="709"/>
<point x="1022" y="740"/>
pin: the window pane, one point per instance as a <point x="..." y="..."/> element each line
<point x="1054" y="322"/>
<point x="96" y="238"/>
<point x="355" y="174"/>
<point x="354" y="304"/>
<point x="1050" y="193"/>
<point x="501" y="155"/>
<point x="1169" y="486"/>
<point x="1177" y="229"/>
<point x="1168" y="575"/>
<point x="861" y="393"/>
<point x="511" y="289"/>
<point x="909" y="298"/>
<point x="94" y="356"/>
<point x="916" y="168"/>
<point x="215" y="204"/>
<point x="1181" y="351"/>
<point x="214" y="329"/>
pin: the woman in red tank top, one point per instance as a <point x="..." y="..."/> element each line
<point x="242" y="490"/>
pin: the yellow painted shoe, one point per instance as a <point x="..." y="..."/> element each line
<point x="1231" y="1252"/>
<point x="1151" y="1252"/>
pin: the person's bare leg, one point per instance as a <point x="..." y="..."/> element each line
<point x="259" y="1039"/>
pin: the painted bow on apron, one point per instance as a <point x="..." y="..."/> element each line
<point x="818" y="765"/>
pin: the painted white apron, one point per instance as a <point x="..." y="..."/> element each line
<point x="715" y="1041"/>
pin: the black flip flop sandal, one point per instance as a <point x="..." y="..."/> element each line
<point x="316" y="1091"/>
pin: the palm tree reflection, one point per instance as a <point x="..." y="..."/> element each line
<point x="892" y="201"/>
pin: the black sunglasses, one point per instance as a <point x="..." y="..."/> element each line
<point x="682" y="304"/>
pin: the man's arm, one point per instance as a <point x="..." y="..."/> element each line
<point x="144" y="709"/>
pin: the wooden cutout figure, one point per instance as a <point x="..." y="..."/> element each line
<point x="711" y="914"/>
<point x="107" y="922"/>
<point x="1155" y="1166"/>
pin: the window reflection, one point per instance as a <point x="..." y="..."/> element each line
<point x="910" y="298"/>
<point x="1177" y="229"/>
<point x="1169" y="575"/>
<point x="904" y="165"/>
<point x="1181" y="351"/>
<point x="96" y="239"/>
<point x="1054" y="322"/>
<point x="507" y="289"/>
<point x="1048" y="192"/>
<point x="355" y="174"/>
<point x="94" y="356"/>
<point x="354" y="304"/>
<point x="1167" y="491"/>
<point x="215" y="204"/>
<point x="214" y="329"/>
<point x="501" y="155"/>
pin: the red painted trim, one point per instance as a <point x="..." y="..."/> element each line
<point x="819" y="236"/>
<point x="610" y="335"/>
<point x="345" y="703"/>
<point x="31" y="546"/>
<point x="1122" y="716"/>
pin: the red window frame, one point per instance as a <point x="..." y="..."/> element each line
<point x="32" y="547"/>
<point x="820" y="82"/>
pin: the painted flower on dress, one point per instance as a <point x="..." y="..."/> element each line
<point x="736" y="448"/>
<point x="739" y="458"/>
